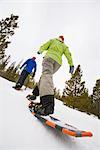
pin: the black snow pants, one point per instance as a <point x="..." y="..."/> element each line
<point x="22" y="78"/>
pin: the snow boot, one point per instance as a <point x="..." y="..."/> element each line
<point x="17" y="86"/>
<point x="35" y="93"/>
<point x="31" y="97"/>
<point x="46" y="105"/>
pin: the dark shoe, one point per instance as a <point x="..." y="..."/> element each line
<point x="49" y="110"/>
<point x="36" y="91"/>
<point x="45" y="107"/>
<point x="39" y="109"/>
<point x="31" y="97"/>
<point x="17" y="86"/>
<point x="47" y="101"/>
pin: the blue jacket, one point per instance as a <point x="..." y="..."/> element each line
<point x="29" y="65"/>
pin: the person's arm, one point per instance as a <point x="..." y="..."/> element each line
<point x="70" y="60"/>
<point x="34" y="70"/>
<point x="24" y="64"/>
<point x="68" y="56"/>
<point x="44" y="47"/>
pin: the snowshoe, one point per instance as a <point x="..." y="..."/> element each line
<point x="39" y="109"/>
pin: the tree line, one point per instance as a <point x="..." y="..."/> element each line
<point x="10" y="71"/>
<point x="74" y="95"/>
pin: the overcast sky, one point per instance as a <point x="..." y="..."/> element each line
<point x="39" y="21"/>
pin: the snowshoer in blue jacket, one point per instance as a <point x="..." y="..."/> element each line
<point x="28" y="65"/>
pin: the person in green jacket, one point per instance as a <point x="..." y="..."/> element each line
<point x="52" y="61"/>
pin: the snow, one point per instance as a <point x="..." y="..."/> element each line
<point x="20" y="130"/>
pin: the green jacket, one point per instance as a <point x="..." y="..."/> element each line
<point x="55" y="49"/>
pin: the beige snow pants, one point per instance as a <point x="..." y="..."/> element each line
<point x="49" y="67"/>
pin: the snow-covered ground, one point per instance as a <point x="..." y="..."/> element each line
<point x="20" y="130"/>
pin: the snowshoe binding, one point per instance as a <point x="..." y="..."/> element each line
<point x="38" y="108"/>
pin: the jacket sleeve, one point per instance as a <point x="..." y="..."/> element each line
<point x="24" y="64"/>
<point x="68" y="56"/>
<point x="45" y="46"/>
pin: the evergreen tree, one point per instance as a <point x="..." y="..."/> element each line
<point x="75" y="87"/>
<point x="96" y="96"/>
<point x="7" y="27"/>
<point x="4" y="63"/>
<point x="17" y="68"/>
<point x="96" y="91"/>
<point x="10" y="72"/>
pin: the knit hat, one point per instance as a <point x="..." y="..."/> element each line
<point x="61" y="37"/>
<point x="34" y="57"/>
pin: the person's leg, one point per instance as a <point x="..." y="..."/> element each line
<point x="22" y="78"/>
<point x="46" y="80"/>
<point x="46" y="88"/>
<point x="49" y="67"/>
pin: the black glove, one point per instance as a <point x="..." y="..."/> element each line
<point x="71" y="69"/>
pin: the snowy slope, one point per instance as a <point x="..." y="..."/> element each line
<point x="20" y="130"/>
